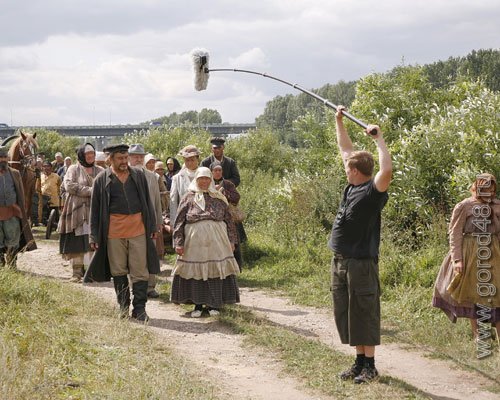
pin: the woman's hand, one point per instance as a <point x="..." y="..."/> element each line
<point x="179" y="250"/>
<point x="93" y="246"/>
<point x="458" y="267"/>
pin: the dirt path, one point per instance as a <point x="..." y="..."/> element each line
<point x="437" y="378"/>
<point x="241" y="373"/>
<point x="244" y="374"/>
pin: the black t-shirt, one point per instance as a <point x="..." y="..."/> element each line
<point x="356" y="229"/>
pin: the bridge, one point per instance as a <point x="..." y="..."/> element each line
<point x="105" y="131"/>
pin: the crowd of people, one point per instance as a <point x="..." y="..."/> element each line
<point x="122" y="208"/>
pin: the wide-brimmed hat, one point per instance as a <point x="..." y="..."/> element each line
<point x="189" y="151"/>
<point x="137" y="149"/>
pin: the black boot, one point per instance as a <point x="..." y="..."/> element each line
<point x="140" y="291"/>
<point x="122" y="294"/>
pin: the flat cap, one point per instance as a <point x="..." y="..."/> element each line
<point x="217" y="141"/>
<point x="116" y="148"/>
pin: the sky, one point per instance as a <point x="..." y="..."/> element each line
<point x="101" y="62"/>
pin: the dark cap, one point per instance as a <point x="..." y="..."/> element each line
<point x="217" y="141"/>
<point x="47" y="163"/>
<point x="116" y="148"/>
<point x="4" y="151"/>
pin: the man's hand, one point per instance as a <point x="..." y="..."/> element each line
<point x="179" y="250"/>
<point x="339" y="114"/>
<point x="370" y="128"/>
<point x="93" y="246"/>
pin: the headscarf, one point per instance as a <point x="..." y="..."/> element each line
<point x="199" y="199"/>
<point x="484" y="181"/>
<point x="85" y="148"/>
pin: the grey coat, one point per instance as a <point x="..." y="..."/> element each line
<point x="98" y="270"/>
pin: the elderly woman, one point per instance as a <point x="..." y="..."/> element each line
<point x="204" y="239"/>
<point x="182" y="180"/>
<point x="468" y="283"/>
<point x="73" y="224"/>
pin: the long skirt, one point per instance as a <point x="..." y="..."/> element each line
<point x="71" y="244"/>
<point x="464" y="300"/>
<point x="206" y="273"/>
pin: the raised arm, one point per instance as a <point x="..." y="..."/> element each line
<point x="343" y="140"/>
<point x="384" y="175"/>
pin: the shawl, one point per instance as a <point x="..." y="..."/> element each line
<point x="77" y="184"/>
<point x="199" y="199"/>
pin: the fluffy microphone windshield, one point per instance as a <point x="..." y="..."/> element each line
<point x="200" y="66"/>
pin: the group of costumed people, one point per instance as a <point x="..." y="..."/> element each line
<point x="96" y="230"/>
<point x="205" y="237"/>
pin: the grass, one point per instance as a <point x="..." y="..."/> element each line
<point x="59" y="342"/>
<point x="311" y="361"/>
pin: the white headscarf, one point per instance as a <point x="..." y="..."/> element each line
<point x="199" y="199"/>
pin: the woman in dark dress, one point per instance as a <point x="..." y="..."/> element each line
<point x="73" y="224"/>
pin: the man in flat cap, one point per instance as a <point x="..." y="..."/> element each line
<point x="122" y="232"/>
<point x="136" y="159"/>
<point x="229" y="168"/>
<point x="15" y="231"/>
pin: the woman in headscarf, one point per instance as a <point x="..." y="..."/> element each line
<point x="173" y="167"/>
<point x="204" y="239"/>
<point x="468" y="283"/>
<point x="74" y="220"/>
<point x="182" y="180"/>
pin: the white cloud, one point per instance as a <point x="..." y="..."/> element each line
<point x="81" y="62"/>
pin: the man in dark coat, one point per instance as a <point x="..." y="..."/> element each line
<point x="122" y="232"/>
<point x="229" y="168"/>
<point x="16" y="232"/>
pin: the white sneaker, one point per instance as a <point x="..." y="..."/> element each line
<point x="213" y="313"/>
<point x="196" y="314"/>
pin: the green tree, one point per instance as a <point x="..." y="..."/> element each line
<point x="208" y="116"/>
<point x="51" y="142"/>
